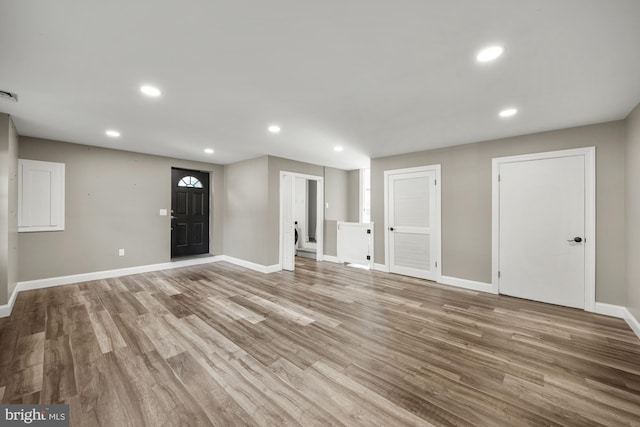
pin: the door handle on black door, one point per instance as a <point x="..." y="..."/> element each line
<point x="575" y="240"/>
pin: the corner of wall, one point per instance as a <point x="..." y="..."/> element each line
<point x="8" y="208"/>
<point x="13" y="209"/>
<point x="632" y="213"/>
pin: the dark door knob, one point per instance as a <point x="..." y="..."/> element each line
<point x="575" y="239"/>
<point x="390" y="228"/>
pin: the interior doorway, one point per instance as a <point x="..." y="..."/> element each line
<point x="301" y="218"/>
<point x="544" y="227"/>
<point x="412" y="221"/>
<point x="305" y="216"/>
<point x="189" y="212"/>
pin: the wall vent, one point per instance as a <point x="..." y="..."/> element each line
<point x="8" y="96"/>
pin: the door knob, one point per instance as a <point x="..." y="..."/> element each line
<point x="575" y="240"/>
<point x="390" y="228"/>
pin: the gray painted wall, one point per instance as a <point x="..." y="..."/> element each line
<point x="466" y="200"/>
<point x="353" y="196"/>
<point x="8" y="208"/>
<point x="252" y="206"/>
<point x="245" y="210"/>
<point x="336" y="195"/>
<point x="632" y="199"/>
<point x="113" y="200"/>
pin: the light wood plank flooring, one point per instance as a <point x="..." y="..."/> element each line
<point x="327" y="345"/>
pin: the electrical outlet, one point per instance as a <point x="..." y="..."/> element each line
<point x="163" y="212"/>
<point x="120" y="252"/>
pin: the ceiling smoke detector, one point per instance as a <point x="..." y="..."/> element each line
<point x="8" y="96"/>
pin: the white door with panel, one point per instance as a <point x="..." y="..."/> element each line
<point x="413" y="222"/>
<point x="543" y="230"/>
<point x="287" y="244"/>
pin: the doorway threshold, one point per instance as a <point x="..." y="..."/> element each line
<point x="188" y="257"/>
<point x="306" y="253"/>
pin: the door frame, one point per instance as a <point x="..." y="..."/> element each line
<point x="209" y="217"/>
<point x="319" y="218"/>
<point x="438" y="220"/>
<point x="589" y="154"/>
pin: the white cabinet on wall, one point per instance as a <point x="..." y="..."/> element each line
<point x="40" y="196"/>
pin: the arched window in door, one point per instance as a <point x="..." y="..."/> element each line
<point x="190" y="182"/>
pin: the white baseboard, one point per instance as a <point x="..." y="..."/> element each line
<point x="610" y="310"/>
<point x="251" y="265"/>
<point x="633" y="323"/>
<point x="271" y="269"/>
<point x="5" y="309"/>
<point x="380" y="267"/>
<point x="620" y="312"/>
<point x="107" y="274"/>
<point x="467" y="284"/>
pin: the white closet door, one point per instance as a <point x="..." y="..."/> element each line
<point x="542" y="230"/>
<point x="413" y="224"/>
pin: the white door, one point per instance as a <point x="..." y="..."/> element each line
<point x="288" y="226"/>
<point x="542" y="230"/>
<point x="413" y="223"/>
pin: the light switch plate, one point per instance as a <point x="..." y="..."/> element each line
<point x="120" y="252"/>
<point x="163" y="212"/>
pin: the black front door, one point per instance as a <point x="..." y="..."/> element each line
<point x="189" y="212"/>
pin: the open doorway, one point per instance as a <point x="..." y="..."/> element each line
<point x="301" y="218"/>
<point x="305" y="216"/>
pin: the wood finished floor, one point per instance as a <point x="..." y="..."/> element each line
<point x="327" y="345"/>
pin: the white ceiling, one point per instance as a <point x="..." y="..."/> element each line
<point x="377" y="77"/>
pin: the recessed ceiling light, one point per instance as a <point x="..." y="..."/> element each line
<point x="208" y="150"/>
<point x="338" y="148"/>
<point x="489" y="53"/>
<point x="508" y="112"/>
<point x="274" y="129"/>
<point x="113" y="133"/>
<point x="150" y="91"/>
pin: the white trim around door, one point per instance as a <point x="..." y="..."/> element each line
<point x="436" y="223"/>
<point x="589" y="155"/>
<point x="319" y="210"/>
